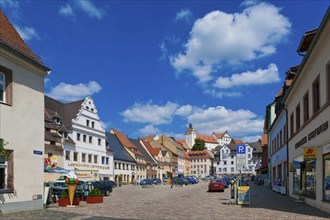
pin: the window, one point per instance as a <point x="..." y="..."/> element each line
<point x="65" y="135"/>
<point x="75" y="156"/>
<point x="87" y="122"/>
<point x="306" y="107"/>
<point x="225" y="162"/>
<point x="99" y="142"/>
<point x="107" y="161"/>
<point x="84" y="138"/>
<point x="83" y="158"/>
<point x="281" y="138"/>
<point x="316" y="95"/>
<point x="5" y="85"/>
<point x="115" y="165"/>
<point x="93" y="123"/>
<point x="7" y="174"/>
<point x="78" y="136"/>
<point x="2" y="87"/>
<point x="298" y="117"/>
<point x="232" y="162"/>
<point x="67" y="155"/>
<point x="326" y="176"/>
<point x="219" y="169"/>
<point x="291" y="125"/>
<point x="103" y="160"/>
<point x="90" y="139"/>
<point x="89" y="158"/>
<point x="95" y="159"/>
<point x="232" y="169"/>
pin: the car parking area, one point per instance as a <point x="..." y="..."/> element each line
<point x="180" y="202"/>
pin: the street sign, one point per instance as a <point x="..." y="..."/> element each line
<point x="240" y="148"/>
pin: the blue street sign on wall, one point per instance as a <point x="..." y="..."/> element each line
<point x="240" y="148"/>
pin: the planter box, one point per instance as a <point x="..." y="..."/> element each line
<point x="65" y="202"/>
<point x="97" y="199"/>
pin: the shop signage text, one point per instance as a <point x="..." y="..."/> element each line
<point x="323" y="127"/>
<point x="309" y="153"/>
<point x="88" y="165"/>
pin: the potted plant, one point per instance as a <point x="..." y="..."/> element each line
<point x="94" y="196"/>
<point x="64" y="200"/>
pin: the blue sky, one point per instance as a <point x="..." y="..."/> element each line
<point x="154" y="66"/>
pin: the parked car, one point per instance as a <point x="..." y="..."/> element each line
<point x="191" y="180"/>
<point x="226" y="181"/>
<point x="156" y="181"/>
<point x="216" y="185"/>
<point x="105" y="188"/>
<point x="180" y="181"/>
<point x="146" y="182"/>
<point x="58" y="186"/>
<point x="111" y="182"/>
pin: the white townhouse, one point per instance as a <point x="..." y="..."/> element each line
<point x="21" y="122"/>
<point x="225" y="162"/>
<point x="222" y="139"/>
<point x="201" y="163"/>
<point x="88" y="156"/>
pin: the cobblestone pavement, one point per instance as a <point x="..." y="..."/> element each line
<point x="191" y="202"/>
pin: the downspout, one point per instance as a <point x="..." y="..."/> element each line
<point x="287" y="147"/>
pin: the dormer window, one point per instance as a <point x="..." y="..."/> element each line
<point x="57" y="120"/>
<point x="65" y="135"/>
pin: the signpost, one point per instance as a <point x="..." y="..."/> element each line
<point x="240" y="158"/>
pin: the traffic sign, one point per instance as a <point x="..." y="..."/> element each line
<point x="240" y="148"/>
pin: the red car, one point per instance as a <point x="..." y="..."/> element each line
<point x="216" y="185"/>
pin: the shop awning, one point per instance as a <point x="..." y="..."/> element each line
<point x="56" y="169"/>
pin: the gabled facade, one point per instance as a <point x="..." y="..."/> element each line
<point x="222" y="139"/>
<point x="141" y="165"/>
<point x="88" y="154"/>
<point x="170" y="145"/>
<point x="161" y="156"/>
<point x="124" y="163"/>
<point x="21" y="106"/>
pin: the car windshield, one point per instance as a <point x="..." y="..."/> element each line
<point x="216" y="181"/>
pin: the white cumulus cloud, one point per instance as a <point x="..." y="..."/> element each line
<point x="27" y="33"/>
<point x="150" y="113"/>
<point x="221" y="38"/>
<point x="148" y="130"/>
<point x="260" y="76"/>
<point x="219" y="119"/>
<point x="68" y="92"/>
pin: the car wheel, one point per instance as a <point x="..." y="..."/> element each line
<point x="107" y="193"/>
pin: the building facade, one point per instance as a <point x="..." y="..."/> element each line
<point x="307" y="102"/>
<point x="201" y="163"/>
<point x="21" y="108"/>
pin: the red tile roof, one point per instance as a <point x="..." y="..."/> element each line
<point x="152" y="150"/>
<point x="149" y="138"/>
<point x="218" y="135"/>
<point x="11" y="38"/>
<point x="236" y="141"/>
<point x="206" y="138"/>
<point x="199" y="154"/>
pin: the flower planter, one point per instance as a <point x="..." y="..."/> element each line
<point x="96" y="199"/>
<point x="65" y="202"/>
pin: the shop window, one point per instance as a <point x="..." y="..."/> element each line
<point x="316" y="95"/>
<point x="5" y="85"/>
<point x="296" y="177"/>
<point x="309" y="178"/>
<point x="7" y="174"/>
<point x="326" y="176"/>
<point x="306" y="107"/>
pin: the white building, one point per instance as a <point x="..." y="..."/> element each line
<point x="201" y="163"/>
<point x="222" y="139"/>
<point x="21" y="122"/>
<point x="88" y="157"/>
<point x="308" y="106"/>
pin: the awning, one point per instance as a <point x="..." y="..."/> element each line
<point x="56" y="169"/>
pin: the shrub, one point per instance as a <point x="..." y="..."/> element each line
<point x="64" y="194"/>
<point x="94" y="193"/>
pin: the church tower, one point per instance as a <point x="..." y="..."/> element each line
<point x="190" y="135"/>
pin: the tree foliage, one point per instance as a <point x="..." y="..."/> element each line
<point x="199" y="145"/>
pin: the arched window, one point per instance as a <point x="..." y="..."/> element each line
<point x="2" y="87"/>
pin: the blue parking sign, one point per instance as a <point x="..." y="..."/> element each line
<point x="240" y="148"/>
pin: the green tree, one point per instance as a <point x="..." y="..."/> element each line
<point x="199" y="145"/>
